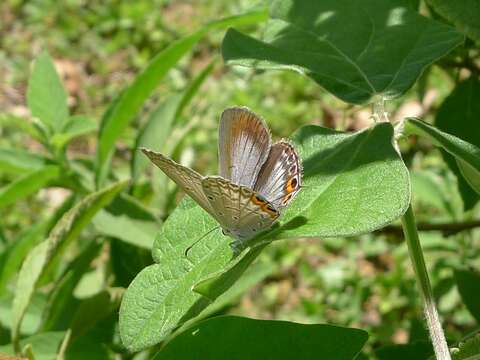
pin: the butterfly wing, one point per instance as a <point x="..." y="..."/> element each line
<point x="189" y="180"/>
<point x="240" y="211"/>
<point x="243" y="145"/>
<point x="280" y="177"/>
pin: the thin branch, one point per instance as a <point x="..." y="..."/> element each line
<point x="446" y="228"/>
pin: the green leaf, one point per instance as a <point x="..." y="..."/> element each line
<point x="76" y="126"/>
<point x="27" y="184"/>
<point x="464" y="14"/>
<point x="65" y="231"/>
<point x="133" y="98"/>
<point x="62" y="303"/>
<point x="354" y="183"/>
<point x="243" y="338"/>
<point x="213" y="287"/>
<point x="258" y="271"/>
<point x="355" y="50"/>
<point x="46" y="96"/>
<point x="468" y="350"/>
<point x="155" y="132"/>
<point x="468" y="284"/>
<point x="136" y="232"/>
<point x="457" y="116"/>
<point x="157" y="129"/>
<point x="44" y="345"/>
<point x="17" y="250"/>
<point x="128" y="220"/>
<point x="18" y="161"/>
<point x="420" y="350"/>
<point x="465" y="153"/>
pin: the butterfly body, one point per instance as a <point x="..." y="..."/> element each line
<point x="257" y="179"/>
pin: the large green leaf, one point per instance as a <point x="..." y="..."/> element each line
<point x="160" y="298"/>
<point x="46" y="96"/>
<point x="28" y="184"/>
<point x="131" y="100"/>
<point x="457" y="115"/>
<point x="466" y="154"/>
<point x="468" y="284"/>
<point x="464" y="14"/>
<point x="229" y="337"/>
<point x="354" y="49"/>
<point x="66" y="230"/>
<point x="19" y="161"/>
<point x="353" y="183"/>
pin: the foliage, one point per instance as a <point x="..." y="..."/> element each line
<point x="102" y="272"/>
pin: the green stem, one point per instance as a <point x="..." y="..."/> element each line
<point x="416" y="255"/>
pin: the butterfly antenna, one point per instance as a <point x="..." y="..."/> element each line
<point x="195" y="243"/>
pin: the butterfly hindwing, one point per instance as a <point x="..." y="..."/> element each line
<point x="189" y="180"/>
<point x="240" y="211"/>
<point x="243" y="146"/>
<point x="280" y="177"/>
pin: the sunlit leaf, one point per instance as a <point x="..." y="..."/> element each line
<point x="28" y="184"/>
<point x="46" y="96"/>
<point x="356" y="50"/>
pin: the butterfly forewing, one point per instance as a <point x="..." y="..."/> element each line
<point x="243" y="146"/>
<point x="189" y="180"/>
<point x="280" y="177"/>
<point x="240" y="211"/>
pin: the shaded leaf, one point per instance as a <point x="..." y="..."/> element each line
<point x="355" y="50"/>
<point x="264" y="339"/>
<point x="213" y="287"/>
<point x="19" y="248"/>
<point x="420" y="350"/>
<point x="468" y="284"/>
<point x="61" y="303"/>
<point x="457" y="116"/>
<point x="468" y="350"/>
<point x="464" y="14"/>
<point x="46" y="96"/>
<point x="28" y="184"/>
<point x="131" y="100"/>
<point x="65" y="231"/>
<point x="462" y="151"/>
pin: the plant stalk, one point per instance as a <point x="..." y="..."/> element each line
<point x="416" y="255"/>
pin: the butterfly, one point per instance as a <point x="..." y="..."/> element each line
<point x="257" y="179"/>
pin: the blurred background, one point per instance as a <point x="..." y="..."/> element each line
<point x="98" y="48"/>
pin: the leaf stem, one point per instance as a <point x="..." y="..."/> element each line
<point x="416" y="255"/>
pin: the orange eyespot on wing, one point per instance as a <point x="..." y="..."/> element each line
<point x="291" y="185"/>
